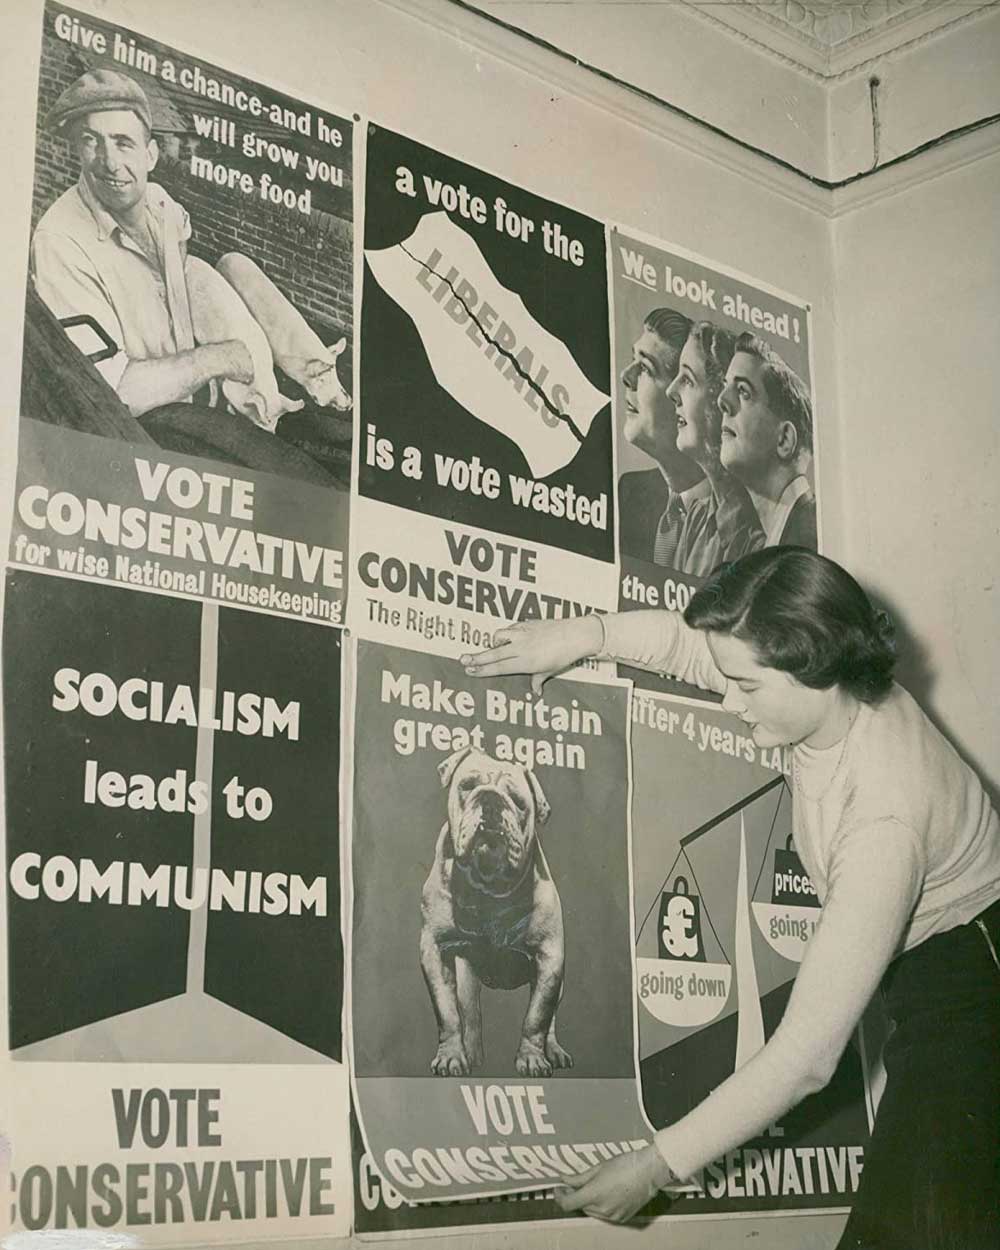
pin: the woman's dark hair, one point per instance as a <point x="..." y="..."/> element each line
<point x="803" y="614"/>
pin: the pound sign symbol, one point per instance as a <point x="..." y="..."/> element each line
<point x="678" y="927"/>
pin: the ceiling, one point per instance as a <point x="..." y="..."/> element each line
<point x="832" y="23"/>
<point x="823" y="38"/>
<point x="835" y="36"/>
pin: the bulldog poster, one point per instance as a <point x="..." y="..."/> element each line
<point x="172" y="786"/>
<point x="187" y="384"/>
<point x="724" y="911"/>
<point x="492" y="1006"/>
<point x="381" y="1212"/>
<point x="485" y="356"/>
<point x="713" y="419"/>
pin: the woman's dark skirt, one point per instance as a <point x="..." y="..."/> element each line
<point x="931" y="1177"/>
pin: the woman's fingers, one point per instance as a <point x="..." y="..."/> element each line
<point x="569" y="1200"/>
<point x="615" y="1190"/>
<point x="480" y="662"/>
<point x="536" y="647"/>
<point x="570" y="1195"/>
<point x="586" y="1201"/>
<point x="503" y="639"/>
<point x="503" y="660"/>
<point x="578" y="1182"/>
<point x="498" y="662"/>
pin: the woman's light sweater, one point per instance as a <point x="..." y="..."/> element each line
<point x="901" y="843"/>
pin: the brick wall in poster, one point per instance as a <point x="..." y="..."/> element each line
<point x="310" y="258"/>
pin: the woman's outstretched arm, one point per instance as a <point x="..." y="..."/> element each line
<point x="659" y="641"/>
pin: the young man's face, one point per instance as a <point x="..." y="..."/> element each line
<point x="650" y="416"/>
<point x="750" y="430"/>
<point x="116" y="157"/>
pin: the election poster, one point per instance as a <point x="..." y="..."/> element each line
<point x="172" y="784"/>
<point x="492" y="1004"/>
<point x="446" y="588"/>
<point x="491" y="305"/>
<point x="176" y="1155"/>
<point x="485" y="398"/>
<point x="187" y="385"/>
<point x="175" y="991"/>
<point x="381" y="1212"/>
<point x="724" y="910"/>
<point x="714" y="432"/>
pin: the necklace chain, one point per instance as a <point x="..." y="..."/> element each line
<point x="796" y="776"/>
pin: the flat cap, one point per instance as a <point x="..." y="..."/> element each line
<point x="99" y="91"/>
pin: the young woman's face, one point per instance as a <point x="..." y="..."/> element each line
<point x="698" y="418"/>
<point x="778" y="708"/>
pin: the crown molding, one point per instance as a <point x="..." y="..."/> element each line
<point x="831" y="39"/>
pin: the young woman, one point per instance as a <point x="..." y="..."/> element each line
<point x="722" y="523"/>
<point x="903" y="847"/>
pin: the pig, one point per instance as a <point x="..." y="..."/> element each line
<point x="297" y="349"/>
<point x="218" y="313"/>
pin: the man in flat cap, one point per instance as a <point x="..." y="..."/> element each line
<point x="114" y="247"/>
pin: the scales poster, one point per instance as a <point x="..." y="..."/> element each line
<point x="724" y="910"/>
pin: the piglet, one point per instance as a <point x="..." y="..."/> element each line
<point x="218" y="313"/>
<point x="297" y="349"/>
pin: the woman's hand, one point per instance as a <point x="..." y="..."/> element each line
<point x="540" y="648"/>
<point x="616" y="1190"/>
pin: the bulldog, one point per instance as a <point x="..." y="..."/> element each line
<point x="491" y="915"/>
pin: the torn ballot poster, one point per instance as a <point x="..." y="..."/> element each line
<point x="491" y="990"/>
<point x="724" y="910"/>
<point x="485" y="352"/>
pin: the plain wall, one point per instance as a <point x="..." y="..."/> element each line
<point x="802" y="101"/>
<point x="917" y="280"/>
<point x="691" y="60"/>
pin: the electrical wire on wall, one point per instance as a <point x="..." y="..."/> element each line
<point x="873" y="86"/>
